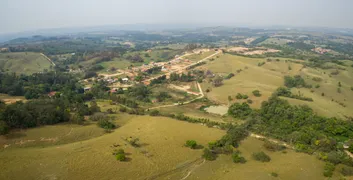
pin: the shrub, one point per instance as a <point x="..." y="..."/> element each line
<point x="317" y="86"/>
<point x="154" y="112"/>
<point x="249" y="101"/>
<point x="239" y="96"/>
<point x="120" y="157"/>
<point x="106" y="124"/>
<point x="347" y="171"/>
<point x="122" y="109"/>
<point x="273" y="146"/>
<point x="4" y="128"/>
<point x="352" y="88"/>
<point x="245" y="96"/>
<point x="261" y="156"/>
<point x="256" y="93"/>
<point x="328" y="169"/>
<point x="98" y="116"/>
<point x="209" y="155"/>
<point x="191" y="144"/>
<point x="274" y="174"/>
<point x="237" y="158"/>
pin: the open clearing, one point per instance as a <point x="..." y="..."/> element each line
<point x="11" y="99"/>
<point x="161" y="151"/>
<point x="266" y="78"/>
<point x="23" y="62"/>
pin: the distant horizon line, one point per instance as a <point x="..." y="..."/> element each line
<point x="181" y="25"/>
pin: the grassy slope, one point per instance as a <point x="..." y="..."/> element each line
<point x="290" y="165"/>
<point x="328" y="105"/>
<point x="92" y="159"/>
<point x="23" y="62"/>
<point x="266" y="78"/>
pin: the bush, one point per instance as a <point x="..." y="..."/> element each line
<point x="261" y="156"/>
<point x="98" y="116"/>
<point x="106" y="124"/>
<point x="347" y="171"/>
<point x="245" y="96"/>
<point x="249" y="101"/>
<point x="209" y="155"/>
<point x="122" y="109"/>
<point x="274" y="174"/>
<point x="317" y="86"/>
<point x="237" y="158"/>
<point x="239" y="96"/>
<point x="4" y="128"/>
<point x="328" y="169"/>
<point x="273" y="146"/>
<point x="191" y="144"/>
<point x="154" y="112"/>
<point x="256" y="93"/>
<point x="120" y="157"/>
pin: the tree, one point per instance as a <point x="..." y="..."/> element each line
<point x="4" y="128"/>
<point x="237" y="158"/>
<point x="238" y="110"/>
<point x="191" y="144"/>
<point x="94" y="107"/>
<point x="217" y="81"/>
<point x="106" y="124"/>
<point x="256" y="93"/>
<point x="154" y="112"/>
<point x="209" y="155"/>
<point x="328" y="169"/>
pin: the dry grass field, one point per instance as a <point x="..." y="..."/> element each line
<point x="161" y="152"/>
<point x="266" y="78"/>
<point x="290" y="165"/>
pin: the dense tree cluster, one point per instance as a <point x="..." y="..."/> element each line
<point x="182" y="77"/>
<point x="285" y="92"/>
<point x="296" y="81"/>
<point x="35" y="85"/>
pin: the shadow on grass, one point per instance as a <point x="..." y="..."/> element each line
<point x="199" y="146"/>
<point x="15" y="135"/>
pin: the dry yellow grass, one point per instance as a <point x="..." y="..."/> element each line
<point x="290" y="165"/>
<point x="161" y="151"/>
<point x="266" y="78"/>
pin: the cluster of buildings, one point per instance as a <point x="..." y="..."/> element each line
<point x="321" y="50"/>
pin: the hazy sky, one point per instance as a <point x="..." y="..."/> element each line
<point x="22" y="15"/>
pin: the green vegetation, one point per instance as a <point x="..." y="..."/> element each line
<point x="23" y="63"/>
<point x="241" y="96"/>
<point x="256" y="93"/>
<point x="273" y="146"/>
<point x="120" y="155"/>
<point x="328" y="169"/>
<point x="237" y="158"/>
<point x="209" y="155"/>
<point x="238" y="110"/>
<point x="296" y="81"/>
<point x="285" y="92"/>
<point x="191" y="144"/>
<point x="261" y="156"/>
<point x="274" y="174"/>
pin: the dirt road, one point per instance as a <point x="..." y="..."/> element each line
<point x="46" y="57"/>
